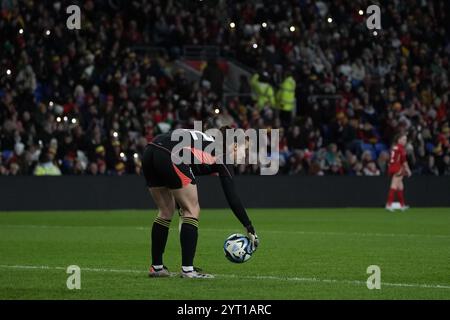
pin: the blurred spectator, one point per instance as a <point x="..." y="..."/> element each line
<point x="215" y="76"/>
<point x="263" y="91"/>
<point x="46" y="166"/>
<point x="370" y="169"/>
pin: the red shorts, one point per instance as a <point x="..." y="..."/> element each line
<point x="396" y="170"/>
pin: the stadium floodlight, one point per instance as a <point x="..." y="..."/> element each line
<point x="330" y="20"/>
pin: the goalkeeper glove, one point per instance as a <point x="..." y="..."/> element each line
<point x="253" y="237"/>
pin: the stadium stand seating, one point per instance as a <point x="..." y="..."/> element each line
<point x="88" y="101"/>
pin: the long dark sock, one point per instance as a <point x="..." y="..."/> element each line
<point x="188" y="240"/>
<point x="160" y="232"/>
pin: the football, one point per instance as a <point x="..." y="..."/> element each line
<point x="237" y="248"/>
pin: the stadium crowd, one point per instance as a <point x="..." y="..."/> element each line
<point x="88" y="101"/>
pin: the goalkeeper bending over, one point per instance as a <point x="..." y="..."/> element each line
<point x="172" y="184"/>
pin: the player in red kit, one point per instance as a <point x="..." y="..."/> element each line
<point x="398" y="168"/>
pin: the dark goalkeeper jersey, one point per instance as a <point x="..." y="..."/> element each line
<point x="201" y="162"/>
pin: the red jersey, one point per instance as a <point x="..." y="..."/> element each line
<point x="398" y="158"/>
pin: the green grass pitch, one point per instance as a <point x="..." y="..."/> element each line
<point x="304" y="254"/>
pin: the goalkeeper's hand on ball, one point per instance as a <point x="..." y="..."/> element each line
<point x="253" y="237"/>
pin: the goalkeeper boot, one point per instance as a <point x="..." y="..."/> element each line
<point x="196" y="273"/>
<point x="158" y="272"/>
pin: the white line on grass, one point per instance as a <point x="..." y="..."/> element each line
<point x="259" y="277"/>
<point x="329" y="233"/>
<point x="359" y="234"/>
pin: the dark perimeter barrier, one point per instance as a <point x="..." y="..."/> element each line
<point x="130" y="192"/>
